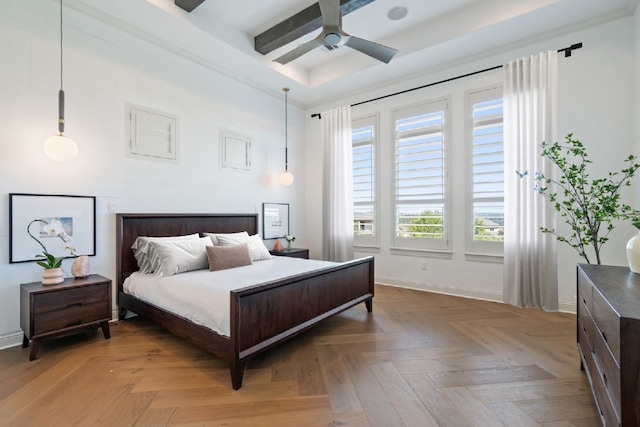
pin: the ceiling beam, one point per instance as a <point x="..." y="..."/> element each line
<point x="298" y="25"/>
<point x="188" y="5"/>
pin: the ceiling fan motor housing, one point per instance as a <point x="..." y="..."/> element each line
<point x="332" y="39"/>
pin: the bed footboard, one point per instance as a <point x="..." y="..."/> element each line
<point x="265" y="315"/>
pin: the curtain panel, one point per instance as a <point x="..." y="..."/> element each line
<point x="530" y="115"/>
<point x="337" y="189"/>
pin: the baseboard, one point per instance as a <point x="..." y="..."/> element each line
<point x="11" y="340"/>
<point x="568" y="307"/>
<point x="441" y="289"/>
<point x="563" y="306"/>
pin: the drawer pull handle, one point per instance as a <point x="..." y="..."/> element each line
<point x="584" y="301"/>
<point x="604" y="337"/>
<point x="604" y="378"/>
<point x="75" y="304"/>
<point x="74" y="323"/>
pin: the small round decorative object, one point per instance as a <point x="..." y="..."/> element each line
<point x="633" y="253"/>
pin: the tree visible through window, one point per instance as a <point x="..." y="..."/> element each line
<point x="420" y="200"/>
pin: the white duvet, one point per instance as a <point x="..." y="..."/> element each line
<point x="202" y="296"/>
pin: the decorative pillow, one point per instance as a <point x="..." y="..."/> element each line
<point x="223" y="257"/>
<point x="241" y="237"/>
<point x="141" y="248"/>
<point x="172" y="257"/>
<point x="257" y="250"/>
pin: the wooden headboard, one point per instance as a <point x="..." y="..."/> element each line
<point x="130" y="226"/>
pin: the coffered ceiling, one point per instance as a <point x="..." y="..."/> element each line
<point x="220" y="34"/>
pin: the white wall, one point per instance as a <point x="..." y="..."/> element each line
<point x="103" y="69"/>
<point x="595" y="103"/>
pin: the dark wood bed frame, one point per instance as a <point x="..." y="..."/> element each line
<point x="261" y="316"/>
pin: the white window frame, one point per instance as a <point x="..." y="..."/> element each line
<point x="360" y="122"/>
<point x="492" y="250"/>
<point x="425" y="244"/>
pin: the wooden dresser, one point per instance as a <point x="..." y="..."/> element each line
<point x="609" y="340"/>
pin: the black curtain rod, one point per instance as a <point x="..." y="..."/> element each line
<point x="567" y="53"/>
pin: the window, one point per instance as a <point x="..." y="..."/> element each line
<point x="364" y="137"/>
<point x="487" y="171"/>
<point x="421" y="211"/>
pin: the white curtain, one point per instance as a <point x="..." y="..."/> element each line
<point x="337" y="188"/>
<point x="530" y="111"/>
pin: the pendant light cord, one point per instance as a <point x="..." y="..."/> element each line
<point x="60" y="44"/>
<point x="286" y="127"/>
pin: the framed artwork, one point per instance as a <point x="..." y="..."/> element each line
<point x="275" y="220"/>
<point x="32" y="215"/>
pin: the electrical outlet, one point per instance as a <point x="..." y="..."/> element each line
<point x="424" y="266"/>
<point x="111" y="207"/>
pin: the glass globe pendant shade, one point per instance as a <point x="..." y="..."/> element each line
<point x="60" y="148"/>
<point x="286" y="178"/>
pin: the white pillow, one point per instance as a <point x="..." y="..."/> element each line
<point x="257" y="250"/>
<point x="241" y="237"/>
<point x="172" y="257"/>
<point x="141" y="248"/>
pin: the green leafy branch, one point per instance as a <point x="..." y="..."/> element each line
<point x="588" y="206"/>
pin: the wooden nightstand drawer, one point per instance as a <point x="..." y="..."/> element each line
<point x="62" y="300"/>
<point x="608" y="323"/>
<point x="74" y="315"/>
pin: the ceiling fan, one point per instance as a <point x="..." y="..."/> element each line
<point x="332" y="36"/>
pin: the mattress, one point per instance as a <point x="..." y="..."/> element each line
<point x="202" y="296"/>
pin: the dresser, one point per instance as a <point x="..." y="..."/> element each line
<point x="70" y="307"/>
<point x="608" y="336"/>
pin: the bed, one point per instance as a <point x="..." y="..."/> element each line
<point x="261" y="316"/>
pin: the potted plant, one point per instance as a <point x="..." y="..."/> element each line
<point x="52" y="265"/>
<point x="588" y="206"/>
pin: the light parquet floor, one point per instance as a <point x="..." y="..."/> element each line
<point x="420" y="359"/>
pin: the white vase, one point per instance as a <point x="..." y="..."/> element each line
<point x="52" y="276"/>
<point x="633" y="253"/>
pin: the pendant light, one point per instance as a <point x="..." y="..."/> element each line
<point x="60" y="147"/>
<point x="286" y="177"/>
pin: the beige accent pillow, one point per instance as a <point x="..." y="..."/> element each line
<point x="223" y="257"/>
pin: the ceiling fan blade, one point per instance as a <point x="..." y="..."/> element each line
<point x="375" y="50"/>
<point x="330" y="11"/>
<point x="299" y="51"/>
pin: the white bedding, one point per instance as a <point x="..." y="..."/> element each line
<point x="202" y="296"/>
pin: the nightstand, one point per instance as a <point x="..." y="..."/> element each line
<point x="293" y="253"/>
<point x="64" y="309"/>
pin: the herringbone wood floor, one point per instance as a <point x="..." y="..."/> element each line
<point x="420" y="359"/>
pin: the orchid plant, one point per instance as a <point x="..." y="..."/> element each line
<point x="52" y="228"/>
